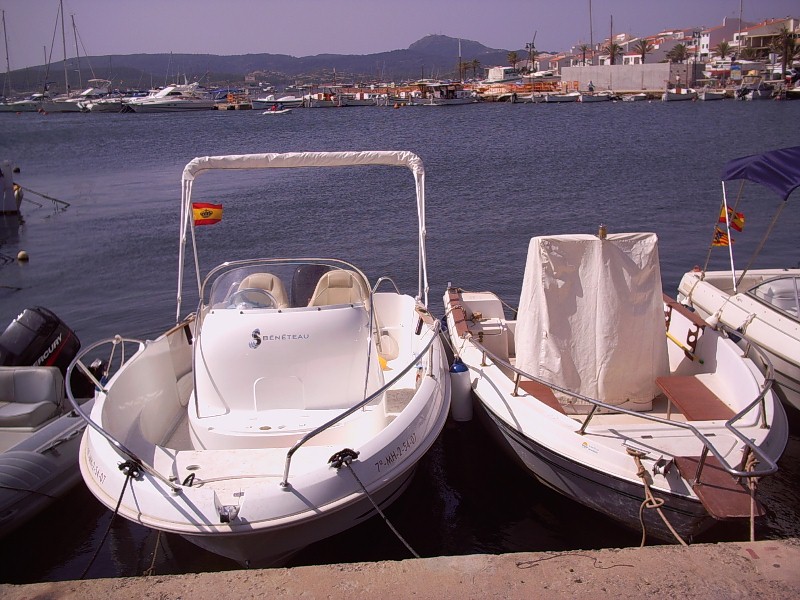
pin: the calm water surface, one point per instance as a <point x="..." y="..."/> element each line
<point x="497" y="174"/>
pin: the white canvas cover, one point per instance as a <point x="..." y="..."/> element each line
<point x="591" y="317"/>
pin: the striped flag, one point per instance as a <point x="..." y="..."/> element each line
<point x="720" y="238"/>
<point x="206" y="214"/>
<point x="736" y="219"/>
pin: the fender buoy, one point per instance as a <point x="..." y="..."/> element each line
<point x="460" y="392"/>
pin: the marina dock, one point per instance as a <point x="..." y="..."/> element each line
<point x="763" y="569"/>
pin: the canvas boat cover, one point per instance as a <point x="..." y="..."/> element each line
<point x="778" y="170"/>
<point x="591" y="317"/>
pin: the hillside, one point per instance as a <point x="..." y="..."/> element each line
<point x="432" y="56"/>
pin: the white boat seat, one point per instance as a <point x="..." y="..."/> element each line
<point x="268" y="282"/>
<point x="339" y="287"/>
<point x="29" y="396"/>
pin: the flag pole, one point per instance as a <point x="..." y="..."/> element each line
<point x="728" y="231"/>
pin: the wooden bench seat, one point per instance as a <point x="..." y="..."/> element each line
<point x="542" y="393"/>
<point x="720" y="493"/>
<point x="693" y="398"/>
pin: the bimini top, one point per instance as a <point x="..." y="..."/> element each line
<point x="778" y="170"/>
<point x="389" y="158"/>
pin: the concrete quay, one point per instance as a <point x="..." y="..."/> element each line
<point x="764" y="570"/>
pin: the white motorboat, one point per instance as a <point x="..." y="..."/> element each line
<point x="438" y="93"/>
<point x="753" y="87"/>
<point x="596" y="97"/>
<point x="268" y="102"/>
<point x="112" y="103"/>
<point x="762" y="305"/>
<point x="237" y="427"/>
<point x="707" y="94"/>
<point x="678" y="95"/>
<point x="640" y="97"/>
<point x="568" y="97"/>
<point x="277" y="111"/>
<point x="173" y="98"/>
<point x="39" y="432"/>
<point x="597" y="399"/>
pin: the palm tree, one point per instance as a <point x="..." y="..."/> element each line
<point x="643" y="47"/>
<point x="748" y="53"/>
<point x="474" y="64"/>
<point x="584" y="48"/>
<point x="723" y="49"/>
<point x="785" y="46"/>
<point x="613" y="49"/>
<point x="513" y="59"/>
<point x="678" y="54"/>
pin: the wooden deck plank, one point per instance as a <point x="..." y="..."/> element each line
<point x="722" y="496"/>
<point x="689" y="314"/>
<point x="542" y="393"/>
<point x="694" y="399"/>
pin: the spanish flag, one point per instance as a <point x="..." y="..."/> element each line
<point x="205" y="213"/>
<point x="736" y="219"/>
<point x="720" y="238"/>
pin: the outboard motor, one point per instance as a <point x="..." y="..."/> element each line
<point x="38" y="338"/>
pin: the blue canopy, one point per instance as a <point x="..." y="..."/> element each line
<point x="778" y="170"/>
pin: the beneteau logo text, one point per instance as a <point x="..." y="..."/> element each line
<point x="257" y="338"/>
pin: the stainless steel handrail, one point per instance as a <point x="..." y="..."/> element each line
<point x="434" y="336"/>
<point x="381" y="280"/>
<point x="120" y="447"/>
<point x="773" y="467"/>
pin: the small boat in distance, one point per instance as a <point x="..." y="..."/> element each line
<point x="442" y="93"/>
<point x="762" y="305"/>
<point x="568" y="97"/>
<point x="596" y="97"/>
<point x="652" y="409"/>
<point x="679" y="95"/>
<point x="277" y="111"/>
<point x="295" y="403"/>
<point x="707" y="94"/>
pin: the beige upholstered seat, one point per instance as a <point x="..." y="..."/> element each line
<point x="268" y="282"/>
<point x="339" y="287"/>
<point x="29" y="396"/>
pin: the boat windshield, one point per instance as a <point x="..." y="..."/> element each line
<point x="782" y="293"/>
<point x="288" y="283"/>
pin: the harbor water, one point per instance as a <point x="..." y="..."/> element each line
<point x="496" y="175"/>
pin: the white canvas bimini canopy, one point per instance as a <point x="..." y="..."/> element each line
<point x="390" y="158"/>
<point x="591" y="316"/>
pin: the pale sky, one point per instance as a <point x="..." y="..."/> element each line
<point x="309" y="27"/>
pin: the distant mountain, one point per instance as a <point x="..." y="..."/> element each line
<point x="433" y="56"/>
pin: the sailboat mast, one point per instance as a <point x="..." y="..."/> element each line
<point x="8" y="64"/>
<point x="77" y="52"/>
<point x="64" y="45"/>
<point x="591" y="40"/>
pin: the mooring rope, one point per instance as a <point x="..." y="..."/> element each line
<point x="131" y="470"/>
<point x="152" y="568"/>
<point x="344" y="458"/>
<point x="750" y="464"/>
<point x="650" y="501"/>
<point x="46" y="197"/>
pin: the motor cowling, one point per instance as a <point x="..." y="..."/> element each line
<point x="37" y="337"/>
